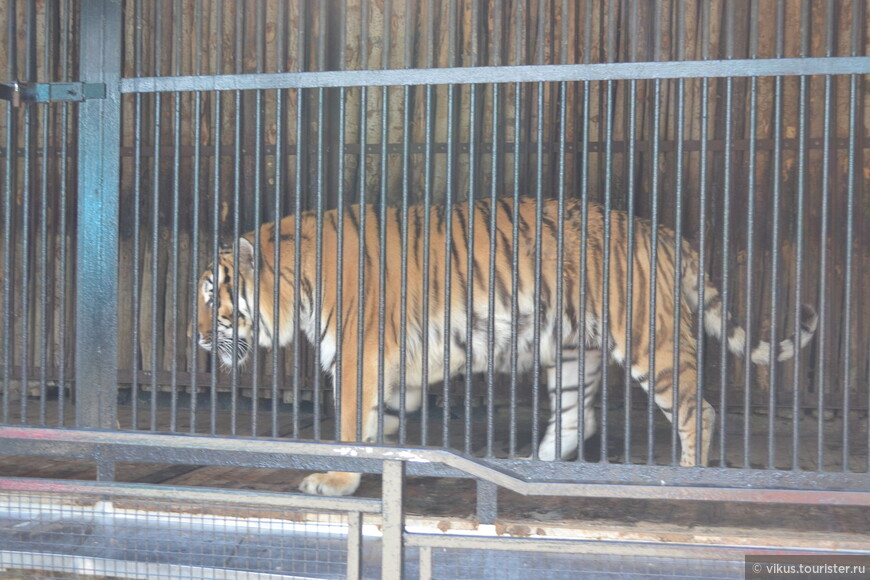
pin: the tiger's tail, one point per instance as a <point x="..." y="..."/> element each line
<point x="735" y="335"/>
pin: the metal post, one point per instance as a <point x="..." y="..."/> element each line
<point x="487" y="502"/>
<point x="354" y="545"/>
<point x="392" y="544"/>
<point x="97" y="243"/>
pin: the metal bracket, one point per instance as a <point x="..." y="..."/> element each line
<point x="17" y="93"/>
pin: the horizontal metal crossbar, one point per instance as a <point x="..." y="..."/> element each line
<point x="151" y="492"/>
<point x="18" y="93"/>
<point x="503" y="74"/>
<point x="576" y="546"/>
<point x="103" y="567"/>
<point x="568" y="479"/>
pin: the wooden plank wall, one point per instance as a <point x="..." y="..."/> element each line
<point x="229" y="149"/>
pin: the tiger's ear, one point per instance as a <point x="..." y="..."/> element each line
<point x="246" y="257"/>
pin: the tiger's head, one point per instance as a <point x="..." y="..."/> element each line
<point x="216" y="298"/>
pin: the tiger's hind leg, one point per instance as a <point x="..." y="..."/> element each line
<point x="570" y="403"/>
<point x="686" y="401"/>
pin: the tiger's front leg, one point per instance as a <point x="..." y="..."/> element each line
<point x="338" y="483"/>
<point x="570" y="403"/>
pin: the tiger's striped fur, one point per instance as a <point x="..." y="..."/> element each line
<point x="584" y="327"/>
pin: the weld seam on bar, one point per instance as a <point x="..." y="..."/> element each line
<point x="503" y="74"/>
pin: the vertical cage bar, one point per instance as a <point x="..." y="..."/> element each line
<point x="557" y="406"/>
<point x="236" y="225"/>
<point x="392" y="544"/>
<point x="629" y="260"/>
<point x="702" y="230"/>
<point x="607" y="127"/>
<point x="654" y="273"/>
<point x="301" y="100"/>
<point x="851" y="180"/>
<point x="319" y="186"/>
<point x="750" y="236"/>
<point x="215" y="233"/>
<point x="426" y="563"/>
<point x="427" y="233"/>
<point x="280" y="123"/>
<point x="66" y="34"/>
<point x="519" y="42"/>
<point x="403" y="314"/>
<point x="775" y="237"/>
<point x="448" y="225"/>
<point x="339" y="274"/>
<point x="583" y="289"/>
<point x="725" y="285"/>
<point x="354" y="545"/>
<point x="194" y="238"/>
<point x="259" y="133"/>
<point x="822" y="344"/>
<point x="469" y="266"/>
<point x="28" y="160"/>
<point x="803" y="120"/>
<point x="382" y="212"/>
<point x="176" y="208"/>
<point x="136" y="277"/>
<point x="495" y="163"/>
<point x="155" y="217"/>
<point x="8" y="180"/>
<point x="362" y="252"/>
<point x="97" y="269"/>
<point x="537" y="267"/>
<point x="678" y="223"/>
<point x="43" y="224"/>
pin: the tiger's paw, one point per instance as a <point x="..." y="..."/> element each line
<point x="332" y="483"/>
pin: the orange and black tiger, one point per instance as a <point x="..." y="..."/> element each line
<point x="572" y="321"/>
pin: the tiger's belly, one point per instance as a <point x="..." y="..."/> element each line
<point x="499" y="345"/>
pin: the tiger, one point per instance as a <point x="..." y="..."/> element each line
<point x="526" y="323"/>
